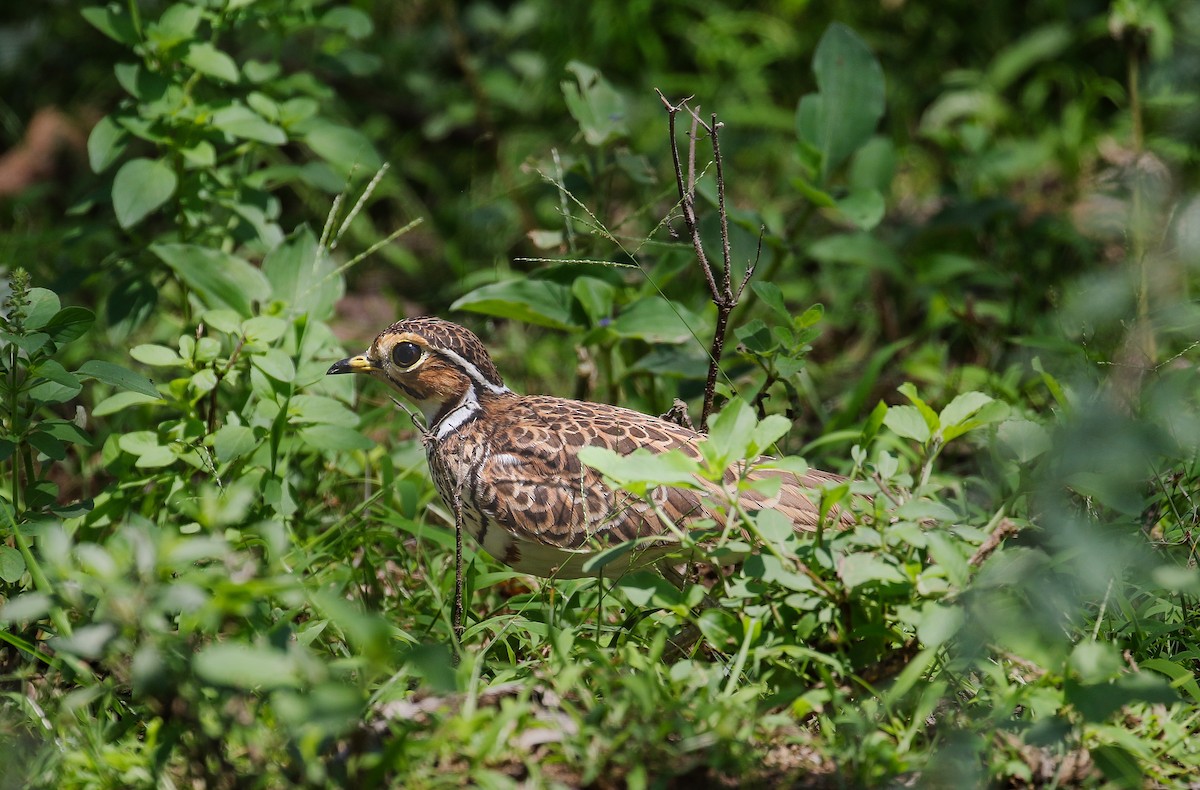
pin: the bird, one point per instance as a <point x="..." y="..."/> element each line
<point x="509" y="465"/>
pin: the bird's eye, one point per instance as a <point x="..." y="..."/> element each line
<point x="406" y="354"/>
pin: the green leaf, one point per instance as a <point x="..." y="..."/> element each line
<point x="345" y="148"/>
<point x="141" y="186"/>
<point x="113" y="21"/>
<point x="856" y="570"/>
<point x="320" y="409"/>
<point x="595" y="105"/>
<point x="122" y="400"/>
<point x="844" y="114"/>
<point x="245" y="666"/>
<point x="1181" y="676"/>
<point x="12" y="568"/>
<point x="238" y="120"/>
<point x="263" y="329"/>
<point x="42" y="307"/>
<point x="642" y="470"/>
<point x="963" y="406"/>
<point x="657" y="320"/>
<point x="220" y="278"/>
<point x="303" y="275"/>
<point x="233" y="441"/>
<point x="906" y="421"/>
<point x="538" y="302"/>
<point x="772" y="297"/>
<point x="156" y="356"/>
<point x="117" y="376"/>
<point x="864" y="209"/>
<point x="212" y="62"/>
<point x="769" y="431"/>
<point x="105" y="144"/>
<point x="47" y="445"/>
<point x="351" y="21"/>
<point x="643" y="588"/>
<point x="275" y="363"/>
<point x="860" y="249"/>
<point x="595" y="296"/>
<point x="334" y="438"/>
<point x="87" y="641"/>
<point x="729" y="433"/>
<point x="939" y="623"/>
<point x="27" y="607"/>
<point x="69" y="323"/>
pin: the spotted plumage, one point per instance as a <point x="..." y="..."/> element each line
<point x="512" y="461"/>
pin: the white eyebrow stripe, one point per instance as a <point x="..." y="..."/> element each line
<point x="472" y="371"/>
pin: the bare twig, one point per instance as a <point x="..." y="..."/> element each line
<point x="724" y="296"/>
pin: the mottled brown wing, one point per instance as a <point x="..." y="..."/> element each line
<point x="538" y="489"/>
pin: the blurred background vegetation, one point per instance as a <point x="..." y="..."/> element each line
<point x="215" y="568"/>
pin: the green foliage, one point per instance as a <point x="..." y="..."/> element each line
<point x="973" y="235"/>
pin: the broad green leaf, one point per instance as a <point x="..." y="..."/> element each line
<point x="335" y="438"/>
<point x="596" y="296"/>
<point x="856" y="570"/>
<point x="241" y="122"/>
<point x="303" y="275"/>
<point x="860" y="249"/>
<point x="233" y="441"/>
<point x="729" y="433"/>
<point x="1181" y="677"/>
<point x="141" y="186"/>
<point x="204" y="380"/>
<point x="769" y="569"/>
<point x="864" y="208"/>
<point x="539" y="302"/>
<point x="264" y="329"/>
<point x="178" y="23"/>
<point x="221" y="279"/>
<point x="47" y="445"/>
<point x="27" y="607"/>
<point x="66" y="431"/>
<point x="644" y="589"/>
<point x="118" y="376"/>
<point x="353" y="22"/>
<point x="844" y="114"/>
<point x="939" y="623"/>
<point x="105" y="144"/>
<point x="641" y="470"/>
<point x="87" y="641"/>
<point x="113" y="21"/>
<point x="244" y="666"/>
<point x="595" y="105"/>
<point x="12" y="568"/>
<point x="320" y="409"/>
<point x="909" y="391"/>
<point x="122" y="400"/>
<point x="210" y="61"/>
<point x="275" y="363"/>
<point x="774" y="526"/>
<point x="155" y="355"/>
<point x="42" y="306"/>
<point x="963" y="406"/>
<point x="1039" y="45"/>
<point x="772" y="297"/>
<point x="657" y="320"/>
<point x="69" y="323"/>
<point x="948" y="554"/>
<point x="769" y="431"/>
<point x="344" y="148"/>
<point x="906" y="421"/>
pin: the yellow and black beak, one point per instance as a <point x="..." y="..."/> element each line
<point x="359" y="364"/>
